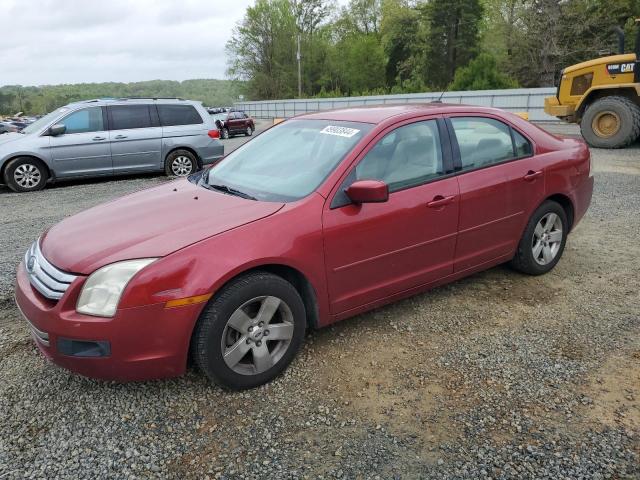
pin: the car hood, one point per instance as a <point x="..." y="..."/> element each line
<point x="150" y="223"/>
<point x="10" y="137"/>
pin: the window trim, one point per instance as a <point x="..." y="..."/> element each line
<point x="457" y="158"/>
<point x="149" y="111"/>
<point x="105" y="125"/>
<point x="339" y="201"/>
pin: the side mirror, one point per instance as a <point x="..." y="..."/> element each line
<point x="368" y="191"/>
<point x="57" y="129"/>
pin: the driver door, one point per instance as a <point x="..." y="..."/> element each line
<point x="83" y="150"/>
<point x="376" y="250"/>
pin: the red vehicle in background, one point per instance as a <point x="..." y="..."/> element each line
<point x="234" y="123"/>
<point x="317" y="219"/>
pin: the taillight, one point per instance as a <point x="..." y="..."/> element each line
<point x="214" y="133"/>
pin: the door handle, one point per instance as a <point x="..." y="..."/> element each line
<point x="531" y="175"/>
<point x="440" y="201"/>
<point x="120" y="137"/>
<point x="97" y="139"/>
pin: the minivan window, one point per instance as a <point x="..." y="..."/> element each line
<point x="124" y="117"/>
<point x="174" y="115"/>
<point x="84" y="121"/>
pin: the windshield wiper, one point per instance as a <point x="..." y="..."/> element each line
<point x="229" y="190"/>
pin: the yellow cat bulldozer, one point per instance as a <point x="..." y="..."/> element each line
<point x="603" y="96"/>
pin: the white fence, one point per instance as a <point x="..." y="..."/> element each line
<point x="529" y="100"/>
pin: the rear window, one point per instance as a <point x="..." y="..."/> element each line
<point x="124" y="117"/>
<point x="174" y="115"/>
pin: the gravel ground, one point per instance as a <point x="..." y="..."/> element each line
<point x="496" y="376"/>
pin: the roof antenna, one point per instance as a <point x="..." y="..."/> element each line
<point x="439" y="100"/>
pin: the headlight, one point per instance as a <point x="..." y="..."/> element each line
<point x="101" y="292"/>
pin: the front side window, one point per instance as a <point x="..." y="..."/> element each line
<point x="288" y="161"/>
<point x="407" y="156"/>
<point x="175" y="115"/>
<point x="482" y="141"/>
<point x="84" y="121"/>
<point x="124" y="117"/>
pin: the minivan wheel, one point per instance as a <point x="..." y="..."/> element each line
<point x="250" y="331"/>
<point x="180" y="163"/>
<point x="249" y="131"/>
<point x="543" y="240"/>
<point x="25" y="174"/>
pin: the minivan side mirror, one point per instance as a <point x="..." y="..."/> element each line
<point x="368" y="191"/>
<point x="57" y="129"/>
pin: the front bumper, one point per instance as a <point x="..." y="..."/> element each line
<point x="552" y="107"/>
<point x="139" y="343"/>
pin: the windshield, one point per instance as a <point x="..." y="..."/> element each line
<point x="288" y="161"/>
<point x="44" y="121"/>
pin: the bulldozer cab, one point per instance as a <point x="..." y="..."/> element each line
<point x="603" y="96"/>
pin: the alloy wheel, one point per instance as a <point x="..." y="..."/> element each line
<point x="547" y="239"/>
<point x="181" y="166"/>
<point x="257" y="335"/>
<point x="27" y="175"/>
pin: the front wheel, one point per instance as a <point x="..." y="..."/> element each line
<point x="249" y="131"/>
<point x="26" y="174"/>
<point x="224" y="133"/>
<point x="250" y="331"/>
<point x="543" y="240"/>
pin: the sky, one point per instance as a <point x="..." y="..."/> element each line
<point x="74" y="41"/>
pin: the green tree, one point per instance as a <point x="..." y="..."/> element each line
<point x="482" y="73"/>
<point x="453" y="38"/>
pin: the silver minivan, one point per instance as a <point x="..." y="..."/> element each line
<point x="110" y="137"/>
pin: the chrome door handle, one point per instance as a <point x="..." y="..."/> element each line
<point x="120" y="137"/>
<point x="531" y="175"/>
<point x="440" y="201"/>
<point x="97" y="139"/>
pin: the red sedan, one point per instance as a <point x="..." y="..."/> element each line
<point x="317" y="219"/>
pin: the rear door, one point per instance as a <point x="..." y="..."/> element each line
<point x="136" y="138"/>
<point x="498" y="185"/>
<point x="84" y="147"/>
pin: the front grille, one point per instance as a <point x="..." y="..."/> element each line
<point x="47" y="279"/>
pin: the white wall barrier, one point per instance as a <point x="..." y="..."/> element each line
<point x="530" y="100"/>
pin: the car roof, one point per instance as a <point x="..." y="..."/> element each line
<point x="130" y="101"/>
<point x="379" y="113"/>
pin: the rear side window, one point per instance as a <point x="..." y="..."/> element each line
<point x="522" y="145"/>
<point x="174" y="115"/>
<point x="124" y="117"/>
<point x="485" y="141"/>
<point x="84" y="121"/>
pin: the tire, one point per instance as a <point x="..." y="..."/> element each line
<point x="611" y="122"/>
<point x="249" y="131"/>
<point x="180" y="163"/>
<point x="26" y="174"/>
<point x="224" y="133"/>
<point x="543" y="240"/>
<point x="230" y="325"/>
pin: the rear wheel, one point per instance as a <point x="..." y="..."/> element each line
<point x="25" y="174"/>
<point x="543" y="240"/>
<point x="249" y="332"/>
<point x="180" y="163"/>
<point x="249" y="131"/>
<point x="611" y="122"/>
<point x="224" y="133"/>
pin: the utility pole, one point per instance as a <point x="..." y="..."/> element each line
<point x="299" y="69"/>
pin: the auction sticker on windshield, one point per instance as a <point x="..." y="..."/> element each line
<point x="339" y="131"/>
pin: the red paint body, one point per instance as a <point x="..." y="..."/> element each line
<point x="354" y="258"/>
